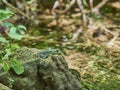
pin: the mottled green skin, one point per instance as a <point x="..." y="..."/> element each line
<point x="46" y="53"/>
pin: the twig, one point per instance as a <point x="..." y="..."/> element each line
<point x="58" y="3"/>
<point x="70" y="5"/>
<point x="76" y="34"/>
<point x="100" y="5"/>
<point x="84" y="18"/>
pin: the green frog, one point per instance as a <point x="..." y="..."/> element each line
<point x="46" y="53"/>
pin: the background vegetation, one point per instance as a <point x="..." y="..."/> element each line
<point x="86" y="32"/>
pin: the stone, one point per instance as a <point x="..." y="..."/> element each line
<point x="50" y="73"/>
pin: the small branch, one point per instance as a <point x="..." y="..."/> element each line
<point x="58" y="3"/>
<point x="76" y="34"/>
<point x="16" y="9"/>
<point x="28" y="38"/>
<point x="91" y="4"/>
<point x="91" y="8"/>
<point x="70" y="5"/>
<point x="101" y="4"/>
<point x="84" y="18"/>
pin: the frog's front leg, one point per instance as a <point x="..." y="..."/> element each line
<point x="43" y="54"/>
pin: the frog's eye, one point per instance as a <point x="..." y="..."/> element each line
<point x="57" y="50"/>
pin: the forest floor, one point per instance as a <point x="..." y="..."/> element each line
<point x="98" y="59"/>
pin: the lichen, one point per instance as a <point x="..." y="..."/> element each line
<point x="26" y="54"/>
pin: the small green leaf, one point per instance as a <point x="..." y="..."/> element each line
<point x="13" y="30"/>
<point x="6" y="66"/>
<point x="5" y="14"/>
<point x="7" y="24"/>
<point x="17" y="66"/>
<point x="14" y="34"/>
<point x="6" y="56"/>
<point x="21" y="27"/>
<point x="3" y="40"/>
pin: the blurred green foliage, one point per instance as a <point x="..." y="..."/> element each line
<point x="7" y="46"/>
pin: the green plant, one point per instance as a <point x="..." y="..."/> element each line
<point x="17" y="66"/>
<point x="5" y="14"/>
<point x="7" y="46"/>
<point x="11" y="81"/>
<point x="15" y="32"/>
